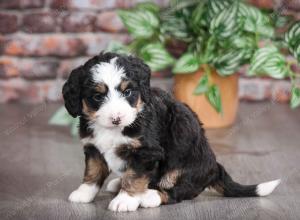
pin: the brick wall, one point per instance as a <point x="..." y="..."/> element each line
<point x="42" y="40"/>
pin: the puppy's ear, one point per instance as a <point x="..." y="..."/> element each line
<point x="72" y="92"/>
<point x="142" y="74"/>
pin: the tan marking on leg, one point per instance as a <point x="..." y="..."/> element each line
<point x="133" y="183"/>
<point x="96" y="171"/>
<point x="219" y="189"/>
<point x="169" y="179"/>
<point x="164" y="197"/>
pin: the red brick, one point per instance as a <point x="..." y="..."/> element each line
<point x="43" y="45"/>
<point x="39" y="22"/>
<point x="293" y="5"/>
<point x="16" y="4"/>
<point x="10" y="4"/>
<point x="98" y="4"/>
<point x="67" y="65"/>
<point x="109" y="21"/>
<point x="78" y="22"/>
<point x="255" y="88"/>
<point x="95" y="43"/>
<point x="28" y="68"/>
<point x="60" y="4"/>
<point x="39" y="69"/>
<point x="281" y="90"/>
<point x="58" y="44"/>
<point x="11" y="90"/>
<point x="262" y="3"/>
<point x="8" y="23"/>
<point x="8" y="68"/>
<point x="18" y="89"/>
<point x="84" y="4"/>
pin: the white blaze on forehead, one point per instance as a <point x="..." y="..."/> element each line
<point x="109" y="73"/>
<point x="115" y="104"/>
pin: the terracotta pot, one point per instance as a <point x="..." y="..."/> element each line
<point x="184" y="86"/>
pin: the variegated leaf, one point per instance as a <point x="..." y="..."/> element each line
<point x="226" y="24"/>
<point x="139" y="23"/>
<point x="295" y="97"/>
<point x="269" y="61"/>
<point x="156" y="56"/>
<point x="214" y="97"/>
<point x="255" y="20"/>
<point x="187" y="63"/>
<point x="229" y="63"/>
<point x="292" y="38"/>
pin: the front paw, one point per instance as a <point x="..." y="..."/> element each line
<point x="150" y="199"/>
<point x="124" y="202"/>
<point x="84" y="194"/>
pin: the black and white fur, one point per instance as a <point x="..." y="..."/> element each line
<point x="171" y="136"/>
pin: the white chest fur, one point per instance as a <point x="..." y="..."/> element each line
<point x="107" y="140"/>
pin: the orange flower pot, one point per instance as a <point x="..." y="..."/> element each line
<point x="185" y="85"/>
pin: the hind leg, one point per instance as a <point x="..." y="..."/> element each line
<point x="178" y="193"/>
<point x="177" y="186"/>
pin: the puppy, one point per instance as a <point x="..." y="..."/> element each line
<point x="155" y="144"/>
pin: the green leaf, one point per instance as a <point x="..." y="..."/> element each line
<point x="268" y="60"/>
<point x="117" y="47"/>
<point x="292" y="38"/>
<point x="61" y="117"/>
<point x="295" y="97"/>
<point x="139" y="23"/>
<point x="276" y="67"/>
<point x="149" y="6"/>
<point x="215" y="7"/>
<point x="255" y="20"/>
<point x="176" y="27"/>
<point x="214" y="97"/>
<point x="74" y="127"/>
<point x="187" y="63"/>
<point x="226" y="24"/>
<point x="279" y="20"/>
<point x="197" y="17"/>
<point x="243" y="42"/>
<point x="202" y="86"/>
<point x="156" y="56"/>
<point x="228" y="63"/>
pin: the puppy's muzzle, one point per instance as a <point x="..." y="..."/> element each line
<point x="116" y="121"/>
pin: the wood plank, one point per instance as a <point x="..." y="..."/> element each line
<point x="41" y="164"/>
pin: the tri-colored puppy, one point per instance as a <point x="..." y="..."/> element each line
<point x="155" y="144"/>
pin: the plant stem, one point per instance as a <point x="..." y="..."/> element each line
<point x="207" y="70"/>
<point x="208" y="45"/>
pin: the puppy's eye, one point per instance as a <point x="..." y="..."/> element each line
<point x="97" y="97"/>
<point x="127" y="93"/>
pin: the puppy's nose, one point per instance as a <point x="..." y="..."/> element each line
<point x="116" y="120"/>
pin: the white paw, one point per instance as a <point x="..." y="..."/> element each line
<point x="85" y="193"/>
<point x="150" y="199"/>
<point x="124" y="202"/>
<point x="114" y="185"/>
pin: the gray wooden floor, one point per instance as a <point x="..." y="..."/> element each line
<point x="40" y="165"/>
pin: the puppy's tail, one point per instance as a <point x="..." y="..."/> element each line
<point x="227" y="187"/>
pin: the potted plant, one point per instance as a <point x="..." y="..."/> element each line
<point x="205" y="43"/>
<point x="218" y="38"/>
